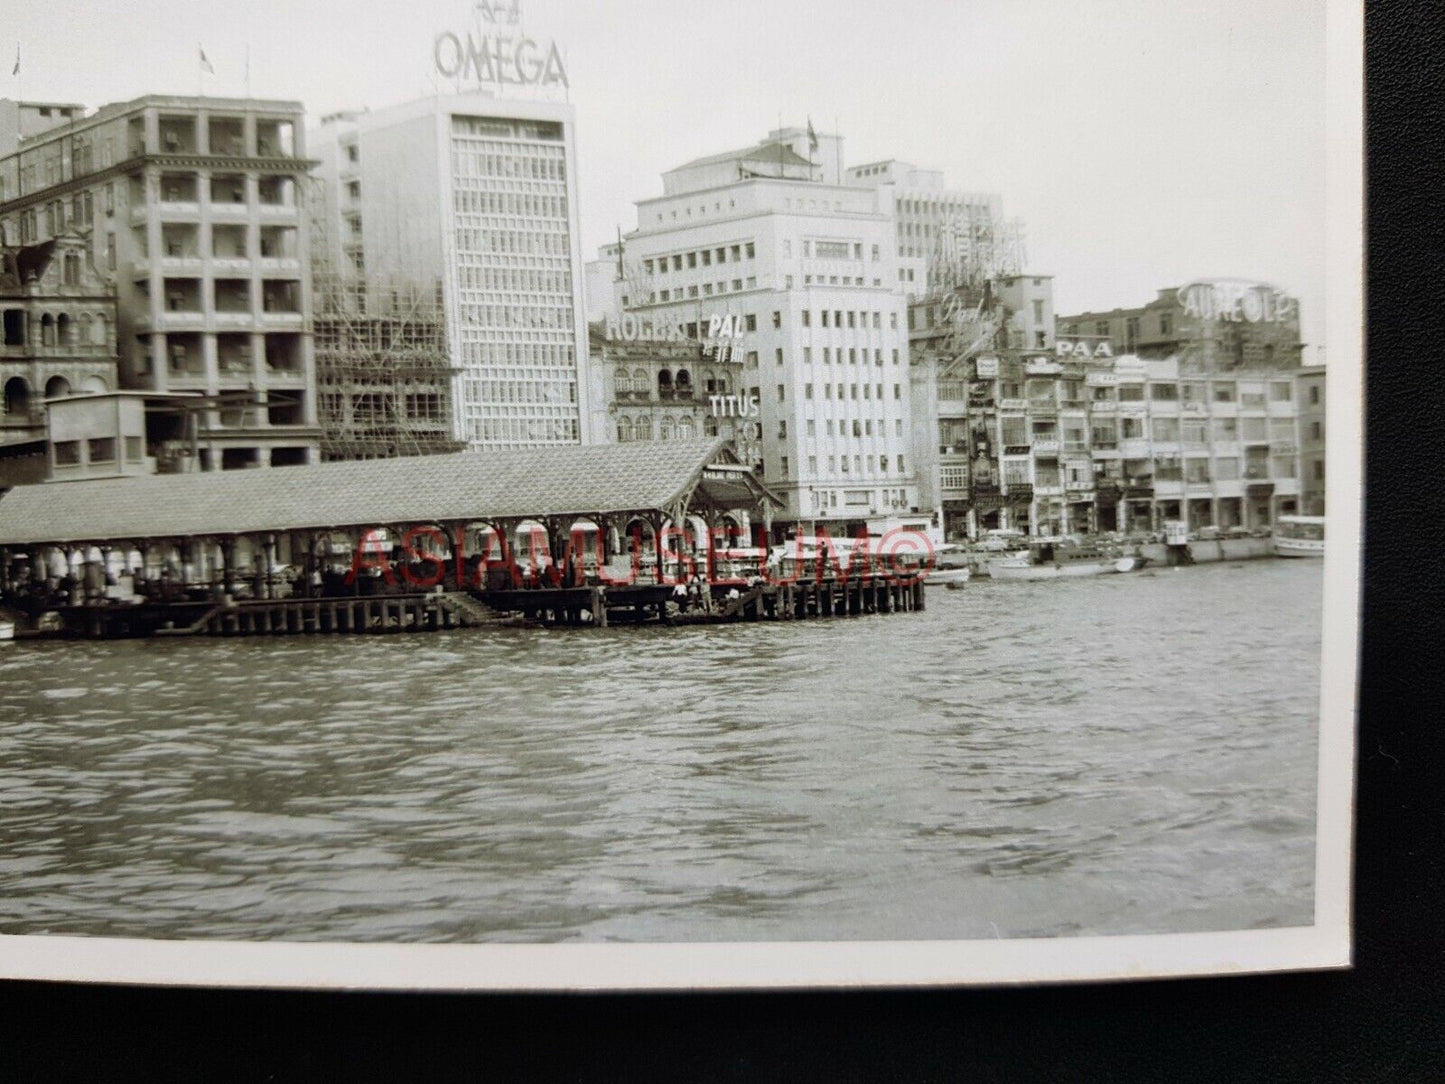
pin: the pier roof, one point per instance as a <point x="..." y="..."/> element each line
<point x="571" y="480"/>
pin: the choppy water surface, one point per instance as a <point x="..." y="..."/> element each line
<point x="1121" y="754"/>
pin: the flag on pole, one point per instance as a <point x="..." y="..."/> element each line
<point x="205" y="64"/>
<point x="812" y="138"/>
<point x="16" y="69"/>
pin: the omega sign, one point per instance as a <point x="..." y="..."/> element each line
<point x="1236" y="301"/>
<point x="501" y="58"/>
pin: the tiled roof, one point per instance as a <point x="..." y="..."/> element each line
<point x="769" y="150"/>
<point x="564" y="481"/>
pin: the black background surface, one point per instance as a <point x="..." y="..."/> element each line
<point x="1380" y="1021"/>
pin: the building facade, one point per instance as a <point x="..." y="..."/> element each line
<point x="59" y="331"/>
<point x="1078" y="440"/>
<point x="383" y="371"/>
<point x="1311" y="396"/>
<point x="478" y="194"/>
<point x="1210" y="325"/>
<point x="677" y="389"/>
<point x="191" y="206"/>
<point x="804" y="267"/>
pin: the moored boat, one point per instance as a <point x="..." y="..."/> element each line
<point x="1047" y="560"/>
<point x="951" y="566"/>
<point x="1299" y="536"/>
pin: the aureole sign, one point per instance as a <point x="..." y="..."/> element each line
<point x="631" y="328"/>
<point x="1237" y="301"/>
<point x="500" y="57"/>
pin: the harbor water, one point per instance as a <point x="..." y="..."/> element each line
<point x="1121" y="754"/>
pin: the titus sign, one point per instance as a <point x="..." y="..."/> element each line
<point x="503" y="59"/>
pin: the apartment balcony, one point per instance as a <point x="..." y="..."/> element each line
<point x="171" y="210"/>
<point x="230" y="210"/>
<point x="277" y="212"/>
<point x="289" y="265"/>
<point x="1072" y="406"/>
<point x="1013" y="406"/>
<point x="1083" y="487"/>
<point x="1134" y="448"/>
<point x="1104" y="406"/>
<point x="1287" y="487"/>
<point x="234" y="320"/>
<point x="274" y="320"/>
<point x="633" y="395"/>
<point x="1046" y="447"/>
<point x="241" y="264"/>
<point x="1168" y="488"/>
<point x="172" y="320"/>
<point x="1048" y="490"/>
<point x="1105" y="449"/>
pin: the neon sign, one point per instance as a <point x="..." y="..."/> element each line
<point x="1236" y="301"/>
<point x="500" y="58"/>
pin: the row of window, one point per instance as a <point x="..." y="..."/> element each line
<point x="842" y="464"/>
<point x="97" y="450"/>
<point x="1015" y="431"/>
<point x="488" y="202"/>
<point x="838" y="318"/>
<point x="495" y="160"/>
<point x="523" y="430"/>
<point x="1196" y="471"/>
<point x="677" y="261"/>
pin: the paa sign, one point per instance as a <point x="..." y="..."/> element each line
<point x="1082" y="351"/>
<point x="501" y="58"/>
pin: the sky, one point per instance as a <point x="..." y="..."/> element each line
<point x="1143" y="144"/>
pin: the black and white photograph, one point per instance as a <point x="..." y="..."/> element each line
<point x="517" y="494"/>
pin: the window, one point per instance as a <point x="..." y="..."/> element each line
<point x="67" y="453"/>
<point x="779" y="355"/>
<point x="1164" y="393"/>
<point x="1165" y="429"/>
<point x="782" y="429"/>
<point x="750" y="322"/>
<point x="1316" y="431"/>
<point x="102" y="449"/>
<point x="1226" y="469"/>
<point x="807" y="391"/>
<point x="1280" y="391"/>
<point x="750" y="250"/>
<point x="1166" y="324"/>
<point x="807" y="355"/>
<point x="782" y="393"/>
<point x="807" y="315"/>
<point x="783" y="460"/>
<point x="1226" y="430"/>
<point x="1224" y="391"/>
<point x="1314" y="393"/>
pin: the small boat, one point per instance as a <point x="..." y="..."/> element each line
<point x="1048" y="560"/>
<point x="7" y="630"/>
<point x="950" y="567"/>
<point x="1299" y="536"/>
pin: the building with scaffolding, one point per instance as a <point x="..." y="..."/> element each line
<point x="383" y="373"/>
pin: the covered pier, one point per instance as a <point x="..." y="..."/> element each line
<point x="572" y="535"/>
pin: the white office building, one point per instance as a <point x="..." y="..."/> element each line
<point x="807" y="266"/>
<point x="480" y="195"/>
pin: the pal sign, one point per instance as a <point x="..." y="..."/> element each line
<point x="1078" y="350"/>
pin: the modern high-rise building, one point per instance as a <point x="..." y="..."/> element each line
<point x="191" y="205"/>
<point x="767" y="240"/>
<point x="479" y="194"/>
